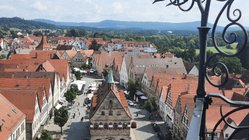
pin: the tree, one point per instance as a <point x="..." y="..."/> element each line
<point x="94" y="45"/>
<point x="233" y="64"/>
<point x="78" y="75"/>
<point x="60" y="117"/>
<point x="132" y="88"/>
<point x="72" y="33"/>
<point x="151" y="106"/>
<point x="70" y="96"/>
<point x="74" y="88"/>
<point x="45" y="135"/>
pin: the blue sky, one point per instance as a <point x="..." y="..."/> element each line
<point x="97" y="10"/>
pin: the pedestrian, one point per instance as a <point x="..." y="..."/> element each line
<point x="82" y="118"/>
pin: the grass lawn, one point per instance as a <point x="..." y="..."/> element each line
<point x="223" y="48"/>
<point x="15" y="29"/>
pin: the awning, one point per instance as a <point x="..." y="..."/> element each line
<point x="58" y="106"/>
<point x="143" y="97"/>
<point x="90" y="96"/>
<point x="139" y="93"/>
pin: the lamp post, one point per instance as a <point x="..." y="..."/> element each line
<point x="197" y="127"/>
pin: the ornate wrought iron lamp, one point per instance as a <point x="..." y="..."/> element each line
<point x="203" y="100"/>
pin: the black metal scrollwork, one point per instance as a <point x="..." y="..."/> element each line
<point x="228" y="39"/>
<point x="218" y="69"/>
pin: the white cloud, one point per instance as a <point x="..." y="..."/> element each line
<point x="118" y="8"/>
<point x="97" y="10"/>
<point x="41" y="6"/>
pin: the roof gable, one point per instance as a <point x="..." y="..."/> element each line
<point x="103" y="97"/>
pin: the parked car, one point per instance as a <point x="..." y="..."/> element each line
<point x="87" y="101"/>
<point x="130" y="103"/>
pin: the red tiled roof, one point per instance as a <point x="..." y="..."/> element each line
<point x="26" y="84"/>
<point x="43" y="44"/>
<point x="60" y="66"/>
<point x="101" y="94"/>
<point x="24" y="100"/>
<point x="105" y="58"/>
<point x="10" y="117"/>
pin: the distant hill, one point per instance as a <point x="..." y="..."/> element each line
<point x="112" y="24"/>
<point x="19" y="23"/>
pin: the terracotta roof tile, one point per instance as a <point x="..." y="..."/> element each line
<point x="26" y="84"/>
<point x="26" y="104"/>
<point x="10" y="117"/>
<point x="101" y="94"/>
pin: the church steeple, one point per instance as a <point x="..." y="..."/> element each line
<point x="110" y="79"/>
<point x="43" y="44"/>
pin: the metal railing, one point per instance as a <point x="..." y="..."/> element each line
<point x="197" y="129"/>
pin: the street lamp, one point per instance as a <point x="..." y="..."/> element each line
<point x="203" y="100"/>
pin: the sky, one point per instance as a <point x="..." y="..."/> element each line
<point x="98" y="10"/>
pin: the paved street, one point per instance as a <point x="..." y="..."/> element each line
<point x="144" y="130"/>
<point x="74" y="129"/>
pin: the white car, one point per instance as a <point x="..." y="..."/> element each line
<point x="130" y="103"/>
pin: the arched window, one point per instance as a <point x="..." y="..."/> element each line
<point x="115" y="125"/>
<point x="110" y="108"/>
<point x="110" y="104"/>
<point x="102" y="112"/>
<point x="96" y="125"/>
<point x="105" y="125"/>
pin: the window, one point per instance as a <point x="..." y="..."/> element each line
<point x="110" y="104"/>
<point x="102" y="112"/>
<point x="119" y="113"/>
<point x="110" y="112"/>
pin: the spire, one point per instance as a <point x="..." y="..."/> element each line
<point x="43" y="44"/>
<point x="110" y="79"/>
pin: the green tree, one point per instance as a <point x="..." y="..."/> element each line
<point x="72" y="33"/>
<point x="73" y="88"/>
<point x="78" y="75"/>
<point x="229" y="46"/>
<point x="70" y="96"/>
<point x="233" y="64"/>
<point x="132" y="88"/>
<point x="60" y="117"/>
<point x="151" y="106"/>
<point x="45" y="135"/>
<point x="94" y="45"/>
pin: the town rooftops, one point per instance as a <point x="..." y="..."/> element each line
<point x="10" y="117"/>
<point x="24" y="100"/>
<point x="26" y="84"/>
<point x="43" y="44"/>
